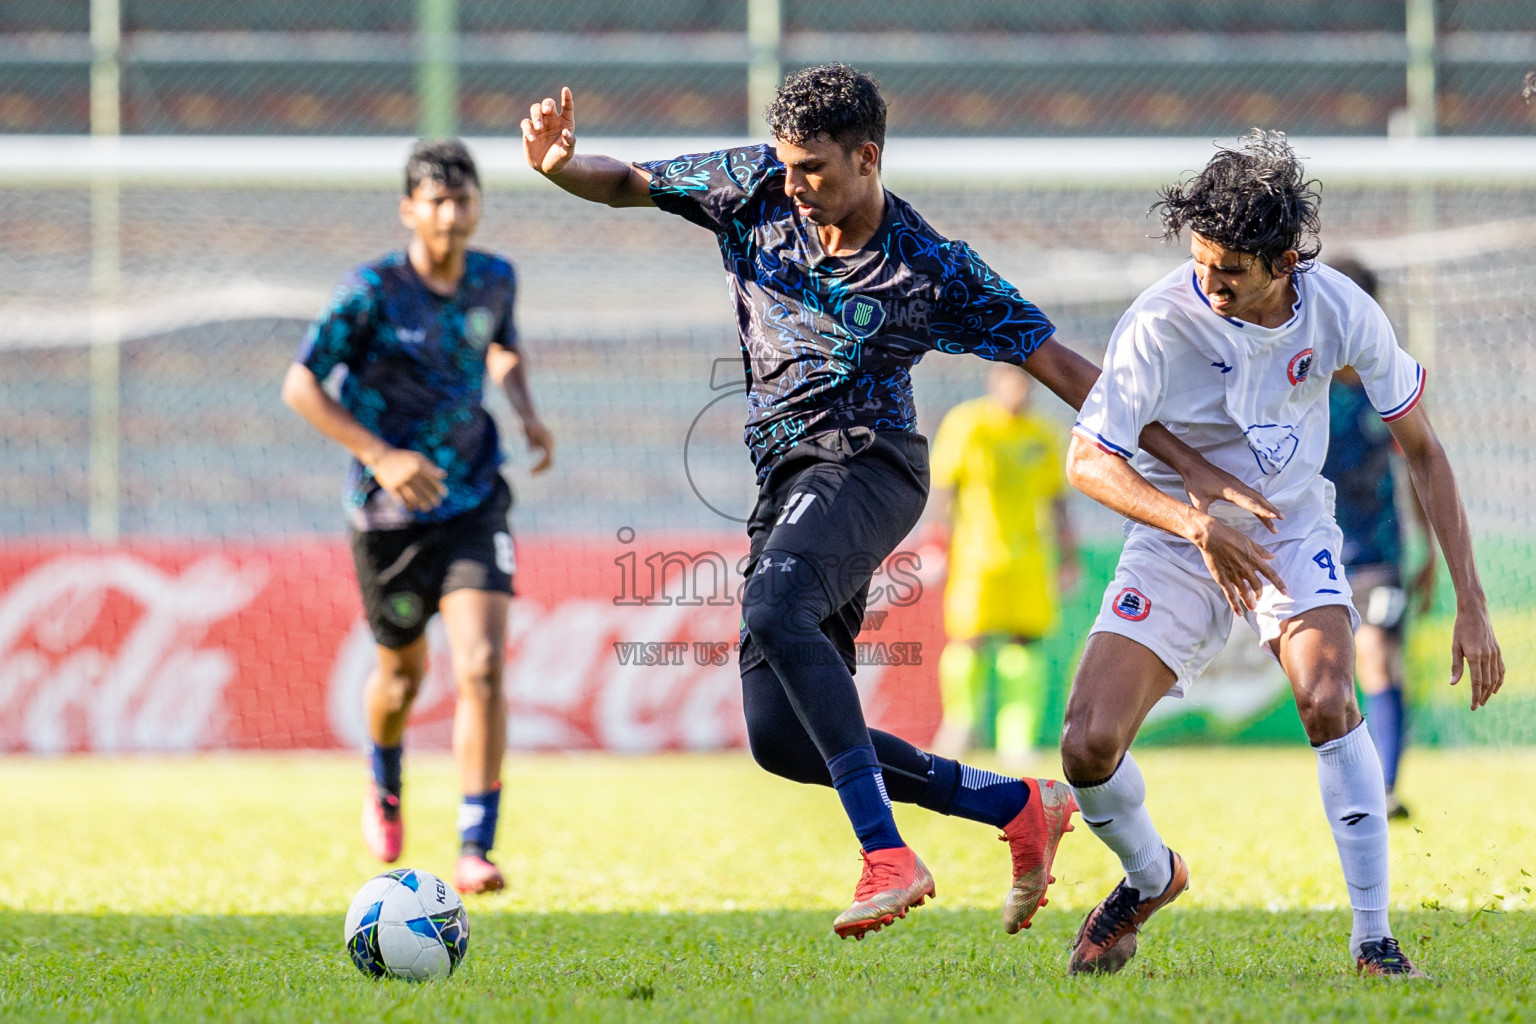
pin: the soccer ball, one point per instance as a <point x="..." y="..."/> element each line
<point x="407" y="924"/>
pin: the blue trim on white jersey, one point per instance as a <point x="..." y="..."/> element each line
<point x="1404" y="407"/>
<point x="1101" y="443"/>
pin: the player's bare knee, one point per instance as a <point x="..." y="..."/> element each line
<point x="398" y="687"/>
<point x="1327" y="709"/>
<point x="1090" y="749"/>
<point x="479" y="680"/>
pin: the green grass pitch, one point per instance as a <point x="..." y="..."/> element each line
<point x="699" y="888"/>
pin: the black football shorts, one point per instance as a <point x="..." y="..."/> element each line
<point x="840" y="502"/>
<point x="404" y="573"/>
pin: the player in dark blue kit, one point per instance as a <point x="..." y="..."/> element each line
<point x="1360" y="464"/>
<point x="413" y="336"/>
<point x="839" y="288"/>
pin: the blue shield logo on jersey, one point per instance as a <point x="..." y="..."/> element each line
<point x="862" y="316"/>
<point x="1272" y="444"/>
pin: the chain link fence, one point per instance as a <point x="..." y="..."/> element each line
<point x="624" y="313"/>
<point x="146" y="320"/>
<point x="967" y="67"/>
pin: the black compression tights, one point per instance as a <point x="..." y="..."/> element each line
<point x="781" y="745"/>
<point x="802" y="707"/>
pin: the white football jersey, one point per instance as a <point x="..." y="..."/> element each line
<point x="1253" y="400"/>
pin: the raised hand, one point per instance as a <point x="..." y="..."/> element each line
<point x="549" y="133"/>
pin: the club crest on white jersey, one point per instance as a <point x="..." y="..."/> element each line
<point x="1299" y="367"/>
<point x="1132" y="605"/>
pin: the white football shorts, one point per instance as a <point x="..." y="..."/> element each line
<point x="1163" y="597"/>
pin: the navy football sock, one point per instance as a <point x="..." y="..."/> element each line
<point x="386" y="769"/>
<point x="856" y="776"/>
<point x="477" y="821"/>
<point x="1385" y="710"/>
<point x="943" y="780"/>
<point x="988" y="797"/>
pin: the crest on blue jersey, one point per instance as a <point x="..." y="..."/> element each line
<point x="477" y="327"/>
<point x="862" y="316"/>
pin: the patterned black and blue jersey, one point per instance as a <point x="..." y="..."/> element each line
<point x="830" y="341"/>
<point x="1360" y="465"/>
<point x="415" y="375"/>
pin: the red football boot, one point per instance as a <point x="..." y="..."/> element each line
<point x="893" y="882"/>
<point x="1032" y="837"/>
<point x="383" y="831"/>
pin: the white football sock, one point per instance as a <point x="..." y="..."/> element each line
<point x="1355" y="800"/>
<point x="1116" y="812"/>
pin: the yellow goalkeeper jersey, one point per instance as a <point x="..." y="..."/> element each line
<point x="1005" y="471"/>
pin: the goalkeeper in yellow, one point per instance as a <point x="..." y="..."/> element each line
<point x="997" y="474"/>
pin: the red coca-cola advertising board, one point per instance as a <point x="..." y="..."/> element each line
<point x="619" y="643"/>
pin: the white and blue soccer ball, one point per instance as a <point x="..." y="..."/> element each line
<point x="407" y="924"/>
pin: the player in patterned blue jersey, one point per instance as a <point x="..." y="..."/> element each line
<point x="1360" y="464"/>
<point x="839" y="287"/>
<point x="413" y="336"/>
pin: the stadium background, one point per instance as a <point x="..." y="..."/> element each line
<point x="183" y="182"/>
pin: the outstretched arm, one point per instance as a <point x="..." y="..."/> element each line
<point x="1472" y="639"/>
<point x="549" y="144"/>
<point x="1236" y="563"/>
<point x="1071" y="377"/>
<point x="506" y="369"/>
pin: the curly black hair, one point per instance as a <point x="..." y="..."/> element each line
<point x="834" y="100"/>
<point x="445" y="161"/>
<point x="1253" y="199"/>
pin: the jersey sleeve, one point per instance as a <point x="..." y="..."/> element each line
<point x="980" y="313"/>
<point x="1129" y="391"/>
<point x="948" y="454"/>
<point x="342" y="332"/>
<point x="1393" y="380"/>
<point x="711" y="189"/>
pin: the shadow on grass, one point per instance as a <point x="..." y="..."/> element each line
<point x="760" y="966"/>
